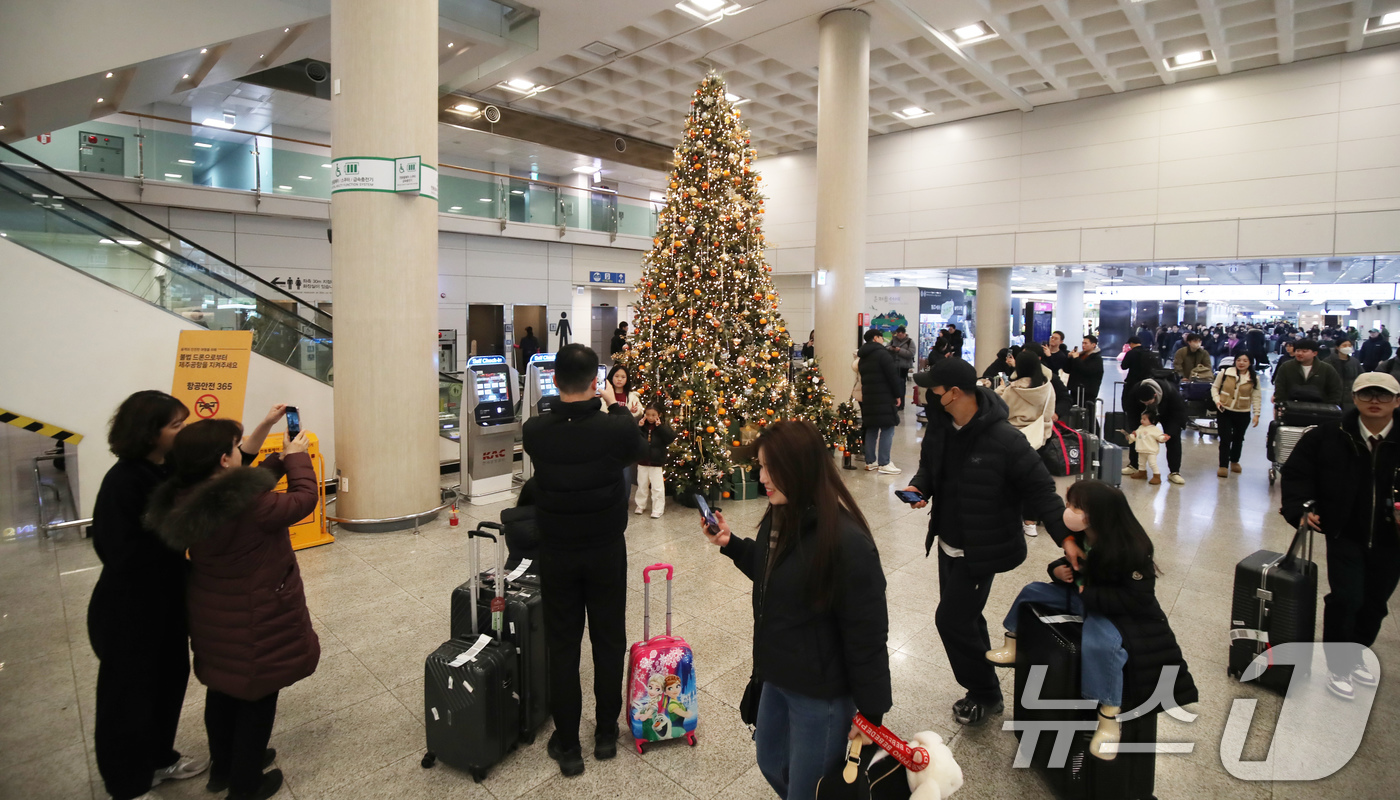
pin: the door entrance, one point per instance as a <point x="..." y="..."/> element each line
<point x="486" y="330"/>
<point x="604" y="324"/>
<point x="532" y="317"/>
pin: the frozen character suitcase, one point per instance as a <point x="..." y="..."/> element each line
<point x="471" y="705"/>
<point x="522" y="627"/>
<point x="1275" y="602"/>
<point x="662" y="697"/>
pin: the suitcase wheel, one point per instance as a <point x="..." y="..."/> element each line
<point x="478" y="775"/>
<point x="690" y="739"/>
<point x="638" y="743"/>
<point x="1273" y="475"/>
<point x="429" y="759"/>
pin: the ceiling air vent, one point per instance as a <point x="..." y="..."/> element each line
<point x="601" y="49"/>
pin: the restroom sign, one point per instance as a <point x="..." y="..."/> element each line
<point x="607" y="277"/>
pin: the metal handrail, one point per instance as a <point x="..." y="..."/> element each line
<point x="456" y="492"/>
<point x="43" y="526"/>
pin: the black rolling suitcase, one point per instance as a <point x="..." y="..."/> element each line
<point x="1051" y="638"/>
<point x="522" y="627"/>
<point x="1275" y="602"/>
<point x="1115" y="422"/>
<point x="471" y="700"/>
<point x="1301" y="414"/>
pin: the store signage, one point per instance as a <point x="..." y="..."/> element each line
<point x="375" y="174"/>
<point x="607" y="277"/>
<point x="1271" y="292"/>
<point x="1044" y="307"/>
<point x="211" y="372"/>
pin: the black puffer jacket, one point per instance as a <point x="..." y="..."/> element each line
<point x="579" y="453"/>
<point x="1130" y="603"/>
<point x="838" y="652"/>
<point x="1170" y="406"/>
<point x="1332" y="466"/>
<point x="658" y="440"/>
<point x="983" y="481"/>
<point x="1085" y="377"/>
<point x="879" y="386"/>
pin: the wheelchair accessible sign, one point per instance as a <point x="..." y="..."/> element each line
<point x="408" y="175"/>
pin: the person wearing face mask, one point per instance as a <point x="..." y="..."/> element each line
<point x="984" y="481"/>
<point x="821" y="624"/>
<point x="1192" y="361"/>
<point x="1127" y="640"/>
<point x="1347" y="367"/>
<point x="1373" y="351"/>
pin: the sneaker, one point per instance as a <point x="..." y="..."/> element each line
<point x="657" y="515"/>
<point x="639" y="511"/>
<point x="1340" y="685"/>
<point x="1156" y="480"/>
<point x="970" y="712"/>
<point x="1176" y="478"/>
<point x="1235" y="467"/>
<point x="1222" y="473"/>
<point x="219" y="783"/>
<point x="1363" y="677"/>
<point x="1108" y="732"/>
<point x="570" y="760"/>
<point x="184" y="767"/>
<point x="871" y="467"/>
<point x="1030" y="529"/>
<point x="890" y="469"/>
<point x="1137" y="474"/>
<point x="605" y="744"/>
<point x="1004" y="656"/>
<point x="271" y="784"/>
<point x="1130" y="471"/>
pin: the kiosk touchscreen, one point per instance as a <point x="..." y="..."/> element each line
<point x="540" y="396"/>
<point x="489" y="445"/>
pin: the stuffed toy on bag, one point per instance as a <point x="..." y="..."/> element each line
<point x="889" y="780"/>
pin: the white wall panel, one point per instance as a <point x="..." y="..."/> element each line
<point x="1196" y="240"/>
<point x="976" y="251"/>
<point x="1287" y="236"/>
<point x="1051" y="247"/>
<point x="922" y="253"/>
<point x="1126" y="243"/>
<point x="282" y="251"/>
<point x="1368" y="233"/>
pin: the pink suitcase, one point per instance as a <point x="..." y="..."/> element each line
<point x="662" y="699"/>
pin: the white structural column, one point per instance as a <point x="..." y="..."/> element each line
<point x="384" y="261"/>
<point x="843" y="124"/>
<point x="993" y="314"/>
<point x="1069" y="310"/>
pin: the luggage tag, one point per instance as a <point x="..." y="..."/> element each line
<point x="471" y="653"/>
<point x="498" y="608"/>
<point x="520" y="569"/>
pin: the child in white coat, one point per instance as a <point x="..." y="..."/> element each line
<point x="1147" y="441"/>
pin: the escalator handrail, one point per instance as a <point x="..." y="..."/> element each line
<point x="294" y="322"/>
<point x="128" y="209"/>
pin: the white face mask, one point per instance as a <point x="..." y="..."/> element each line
<point x="1075" y="520"/>
<point x="1346" y="351"/>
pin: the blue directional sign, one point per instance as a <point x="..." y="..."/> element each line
<point x="607" y="277"/>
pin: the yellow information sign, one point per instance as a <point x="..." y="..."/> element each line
<point x="313" y="530"/>
<point x="211" y="372"/>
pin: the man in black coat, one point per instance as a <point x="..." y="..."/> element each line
<point x="879" y="386"/>
<point x="529" y="345"/>
<point x="1138" y="363"/>
<point x="1085" y="368"/>
<point x="984" y="480"/>
<point x="1350" y="471"/>
<point x="1373" y="351"/>
<point x="1056" y="353"/>
<point x="1166" y="402"/>
<point x="579" y="453"/>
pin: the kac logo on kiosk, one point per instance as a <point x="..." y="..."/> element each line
<point x="211" y="372"/>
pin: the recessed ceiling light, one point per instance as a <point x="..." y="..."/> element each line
<point x="484" y="200"/>
<point x="466" y="108"/>
<point x="109" y="74"/>
<point x="285" y="188"/>
<point x="708" y="10"/>
<point x="587" y="170"/>
<point x="736" y="100"/>
<point x="185" y="77"/>
<point x="450" y="45"/>
<point x="1386" y="22"/>
<point x="304" y="177"/>
<point x="1196" y="278"/>
<point x="327" y="166"/>
<point x="520" y="84"/>
<point x="970" y="31"/>
<point x="101" y="100"/>
<point x="205" y="145"/>
<point x="203" y="50"/>
<point x="261" y="56"/>
<point x="1192" y="58"/>
<point x="214" y="122"/>
<point x="601" y="49"/>
<point x="128" y="242"/>
<point x="184" y="161"/>
<point x="286" y="30"/>
<point x="517" y="191"/>
<point x="455" y="208"/>
<point x="912" y="112"/>
<point x="173" y="175"/>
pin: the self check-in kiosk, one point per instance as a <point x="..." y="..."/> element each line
<point x="540" y="396"/>
<point x="488" y="449"/>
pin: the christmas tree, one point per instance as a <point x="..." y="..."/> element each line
<point x="815" y="404"/>
<point x="710" y="344"/>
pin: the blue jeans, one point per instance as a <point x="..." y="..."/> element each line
<point x="885" y="437"/>
<point x="1102" y="654"/>
<point x="800" y="739"/>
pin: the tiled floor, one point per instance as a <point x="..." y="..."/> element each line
<point x="353" y="730"/>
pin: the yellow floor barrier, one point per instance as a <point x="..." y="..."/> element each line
<point x="313" y="530"/>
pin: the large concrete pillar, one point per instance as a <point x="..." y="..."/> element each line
<point x="384" y="261"/>
<point x="843" y="124"/>
<point x="993" y="314"/>
<point x="1069" y="310"/>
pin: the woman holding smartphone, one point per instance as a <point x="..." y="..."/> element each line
<point x="820" y="619"/>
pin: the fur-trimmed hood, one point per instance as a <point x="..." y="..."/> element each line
<point x="185" y="517"/>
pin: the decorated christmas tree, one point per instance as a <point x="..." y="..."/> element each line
<point x="709" y="343"/>
<point x="815" y="404"/>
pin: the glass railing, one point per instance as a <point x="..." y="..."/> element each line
<point x="449" y="407"/>
<point x="165" y="149"/>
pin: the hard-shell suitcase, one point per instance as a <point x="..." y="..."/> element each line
<point x="662" y="698"/>
<point x="522" y="627"/>
<point x="1275" y="602"/>
<point x="1299" y="414"/>
<point x="1050" y="638"/>
<point x="1110" y="463"/>
<point x="471" y="708"/>
<point x="1115" y="422"/>
<point x="1195" y="390"/>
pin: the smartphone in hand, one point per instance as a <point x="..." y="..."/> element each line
<point x="706" y="514"/>
<point x="293" y="423"/>
<point x="909" y="497"/>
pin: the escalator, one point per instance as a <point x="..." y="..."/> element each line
<point x="52" y="214"/>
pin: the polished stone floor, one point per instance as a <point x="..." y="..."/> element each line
<point x="380" y="603"/>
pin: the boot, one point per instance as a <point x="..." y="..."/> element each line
<point x="1235" y="467"/>
<point x="1004" y="656"/>
<point x="1108" y="731"/>
<point x="1222" y="473"/>
<point x="1156" y="480"/>
<point x="1139" y="475"/>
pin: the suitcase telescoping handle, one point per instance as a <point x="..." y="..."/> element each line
<point x="498" y="603"/>
<point x="1302" y="544"/>
<point x="646" y="598"/>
